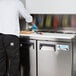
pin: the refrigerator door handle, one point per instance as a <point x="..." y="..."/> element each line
<point x="48" y="45"/>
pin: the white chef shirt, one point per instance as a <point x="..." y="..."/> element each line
<point x="9" y="16"/>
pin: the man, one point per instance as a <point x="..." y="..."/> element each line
<point x="9" y="33"/>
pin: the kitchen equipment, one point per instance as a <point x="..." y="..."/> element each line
<point x="32" y="50"/>
<point x="28" y="56"/>
<point x="57" y="57"/>
<point x="67" y="30"/>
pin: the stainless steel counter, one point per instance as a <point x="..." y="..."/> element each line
<point x="55" y="53"/>
<point x="50" y="36"/>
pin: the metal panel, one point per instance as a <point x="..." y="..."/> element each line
<point x="74" y="57"/>
<point x="32" y="49"/>
<point x="52" y="62"/>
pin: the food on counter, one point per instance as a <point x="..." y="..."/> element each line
<point x="26" y="32"/>
<point x="48" y="21"/>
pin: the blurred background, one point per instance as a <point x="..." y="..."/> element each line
<point x="49" y="21"/>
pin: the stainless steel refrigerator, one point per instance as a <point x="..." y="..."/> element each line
<point x="28" y="57"/>
<point x="57" y="57"/>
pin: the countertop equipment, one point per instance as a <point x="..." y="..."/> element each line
<point x="56" y="54"/>
<point x="57" y="57"/>
<point x="28" y="56"/>
<point x="68" y="30"/>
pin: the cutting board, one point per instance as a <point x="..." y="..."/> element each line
<point x="26" y="32"/>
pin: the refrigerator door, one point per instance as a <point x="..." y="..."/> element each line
<point x="53" y="60"/>
<point x="28" y="57"/>
<point x="32" y="52"/>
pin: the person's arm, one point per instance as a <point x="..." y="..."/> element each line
<point x="24" y="13"/>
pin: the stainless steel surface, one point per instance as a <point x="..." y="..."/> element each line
<point x="69" y="30"/>
<point x="74" y="57"/>
<point x="32" y="50"/>
<point x="60" y="30"/>
<point x="50" y="36"/>
<point x="56" y="61"/>
<point x="53" y="59"/>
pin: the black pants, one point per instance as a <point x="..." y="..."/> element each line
<point x="9" y="51"/>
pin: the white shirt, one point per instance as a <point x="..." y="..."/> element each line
<point x="9" y="16"/>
